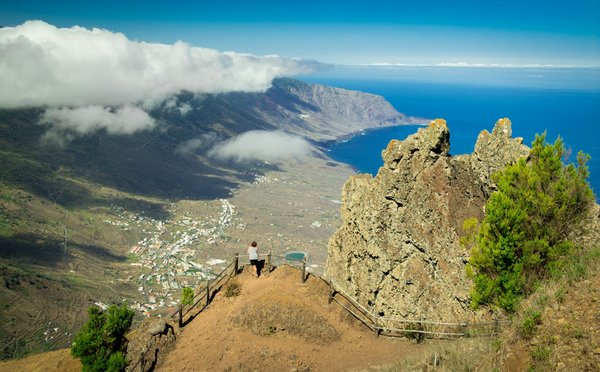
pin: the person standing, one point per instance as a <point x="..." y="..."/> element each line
<point x="253" y="256"/>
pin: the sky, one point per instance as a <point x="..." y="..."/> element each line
<point x="550" y="32"/>
<point x="104" y="66"/>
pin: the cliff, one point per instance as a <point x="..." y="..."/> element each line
<point x="322" y="112"/>
<point x="397" y="250"/>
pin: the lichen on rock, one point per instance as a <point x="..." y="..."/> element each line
<point x="397" y="250"/>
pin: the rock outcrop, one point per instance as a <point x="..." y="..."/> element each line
<point x="149" y="343"/>
<point x="397" y="251"/>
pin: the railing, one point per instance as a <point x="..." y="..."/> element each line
<point x="418" y="329"/>
<point x="203" y="295"/>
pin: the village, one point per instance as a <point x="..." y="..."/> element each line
<point x="167" y="255"/>
<point x="200" y="237"/>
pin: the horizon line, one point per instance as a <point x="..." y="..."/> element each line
<point x="469" y="65"/>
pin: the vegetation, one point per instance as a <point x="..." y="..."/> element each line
<point x="533" y="318"/>
<point x="187" y="297"/>
<point x="101" y="343"/>
<point x="529" y="224"/>
<point x="233" y="288"/>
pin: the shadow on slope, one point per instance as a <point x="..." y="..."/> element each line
<point x="144" y="163"/>
<point x="36" y="250"/>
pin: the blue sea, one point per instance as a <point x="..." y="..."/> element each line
<point x="562" y="102"/>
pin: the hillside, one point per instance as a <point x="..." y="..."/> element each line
<point x="150" y="163"/>
<point x="279" y="323"/>
<point x="566" y="339"/>
<point x="275" y="323"/>
<point x="82" y="217"/>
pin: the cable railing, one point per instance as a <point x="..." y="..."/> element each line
<point x="418" y="329"/>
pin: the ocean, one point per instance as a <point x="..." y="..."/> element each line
<point x="561" y="107"/>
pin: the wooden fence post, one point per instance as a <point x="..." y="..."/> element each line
<point x="236" y="264"/>
<point x="331" y="292"/>
<point x="304" y="270"/>
<point x="421" y="336"/>
<point x="180" y="316"/>
<point x="207" y="292"/>
<point x="269" y="262"/>
<point x="465" y="328"/>
<point x="377" y="330"/>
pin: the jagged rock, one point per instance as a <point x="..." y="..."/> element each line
<point x="150" y="341"/>
<point x="398" y="249"/>
<point x="156" y="327"/>
<point x="494" y="151"/>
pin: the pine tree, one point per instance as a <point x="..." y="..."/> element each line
<point x="101" y="343"/>
<point x="529" y="223"/>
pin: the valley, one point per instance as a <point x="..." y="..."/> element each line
<point x="124" y="253"/>
<point x="103" y="219"/>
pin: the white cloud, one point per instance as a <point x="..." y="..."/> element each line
<point x="172" y="104"/>
<point x="45" y="65"/>
<point x="271" y="146"/>
<point x="42" y="65"/>
<point x="184" y="108"/>
<point x="195" y="145"/>
<point x="122" y="120"/>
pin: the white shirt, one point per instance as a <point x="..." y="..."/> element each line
<point x="253" y="253"/>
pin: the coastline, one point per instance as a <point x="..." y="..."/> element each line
<point x="346" y="137"/>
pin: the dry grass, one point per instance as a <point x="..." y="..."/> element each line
<point x="233" y="288"/>
<point x="480" y="354"/>
<point x="273" y="314"/>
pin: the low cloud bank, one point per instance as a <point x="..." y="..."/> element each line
<point x="123" y="120"/>
<point x="89" y="70"/>
<point x="270" y="146"/>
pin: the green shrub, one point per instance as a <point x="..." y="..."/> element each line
<point x="116" y="362"/>
<point x="525" y="234"/>
<point x="532" y="319"/>
<point x="578" y="333"/>
<point x="559" y="295"/>
<point x="187" y="296"/>
<point x="101" y="343"/>
<point x="540" y="356"/>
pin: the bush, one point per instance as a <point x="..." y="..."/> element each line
<point x="528" y="224"/>
<point x="540" y="356"/>
<point x="187" y="296"/>
<point x="532" y="319"/>
<point x="101" y="343"/>
<point x="232" y="288"/>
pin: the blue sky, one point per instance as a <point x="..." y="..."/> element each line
<point x="349" y="32"/>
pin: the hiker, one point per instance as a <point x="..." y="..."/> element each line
<point x="253" y="256"/>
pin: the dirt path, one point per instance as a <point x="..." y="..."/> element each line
<point x="279" y="324"/>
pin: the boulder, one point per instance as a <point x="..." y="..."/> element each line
<point x="397" y="250"/>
